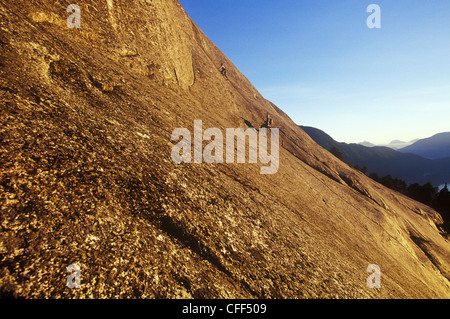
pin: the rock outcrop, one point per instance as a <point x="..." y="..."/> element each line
<point x="86" y="175"/>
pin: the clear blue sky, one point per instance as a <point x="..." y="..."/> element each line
<point x="319" y="62"/>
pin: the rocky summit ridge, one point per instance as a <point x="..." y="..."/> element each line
<point x="87" y="178"/>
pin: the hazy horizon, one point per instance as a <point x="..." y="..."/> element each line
<point x="321" y="64"/>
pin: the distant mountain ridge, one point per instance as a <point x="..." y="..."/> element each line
<point x="367" y="144"/>
<point x="434" y="147"/>
<point x="395" y="144"/>
<point x="383" y="160"/>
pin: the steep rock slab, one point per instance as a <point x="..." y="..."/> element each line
<point x="87" y="177"/>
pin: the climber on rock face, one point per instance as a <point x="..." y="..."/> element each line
<point x="269" y="121"/>
<point x="223" y="70"/>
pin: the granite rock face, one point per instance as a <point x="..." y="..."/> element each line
<point x="87" y="178"/>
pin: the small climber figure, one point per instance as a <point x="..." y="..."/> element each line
<point x="269" y="121"/>
<point x="223" y="70"/>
